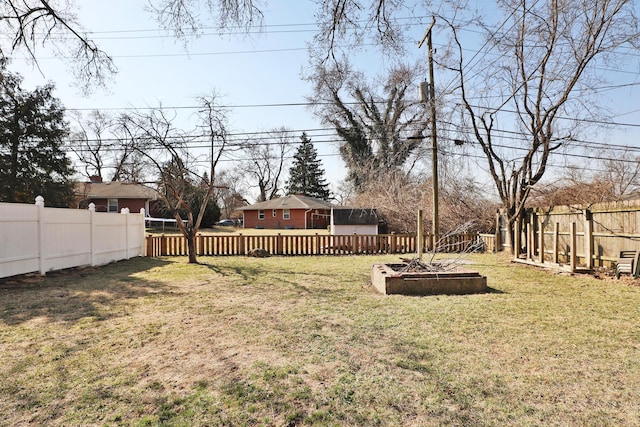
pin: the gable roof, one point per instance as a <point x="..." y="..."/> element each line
<point x="292" y="201"/>
<point x="114" y="190"/>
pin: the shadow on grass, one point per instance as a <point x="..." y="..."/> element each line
<point x="489" y="290"/>
<point x="73" y="294"/>
<point x="277" y="278"/>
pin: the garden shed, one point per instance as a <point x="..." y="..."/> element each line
<point x="345" y="220"/>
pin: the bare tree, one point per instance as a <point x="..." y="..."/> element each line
<point x="546" y="49"/>
<point x="183" y="17"/>
<point x="265" y="162"/>
<point x="89" y="142"/>
<point x="604" y="180"/>
<point x="397" y="199"/>
<point x="229" y="192"/>
<point x="622" y="175"/>
<point x="105" y="148"/>
<point x="167" y="149"/>
<point x="28" y="23"/>
<point x="348" y="21"/>
<point x="128" y="164"/>
<point x="381" y="128"/>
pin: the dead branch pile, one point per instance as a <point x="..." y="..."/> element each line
<point x="459" y="250"/>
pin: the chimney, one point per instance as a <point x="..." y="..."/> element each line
<point x="95" y="179"/>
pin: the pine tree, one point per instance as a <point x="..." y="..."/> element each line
<point x="306" y="175"/>
<point x="32" y="161"/>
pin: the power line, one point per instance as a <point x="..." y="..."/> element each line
<point x="310" y="104"/>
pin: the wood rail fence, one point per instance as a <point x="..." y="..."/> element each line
<point x="291" y="245"/>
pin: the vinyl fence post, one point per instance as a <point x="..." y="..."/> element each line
<point x="92" y="233"/>
<point x="142" y="234"/>
<point x="40" y="216"/>
<point x="125" y="212"/>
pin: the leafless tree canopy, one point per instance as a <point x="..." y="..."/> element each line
<point x="542" y="74"/>
<point x="380" y="124"/>
<point x="29" y="23"/>
<point x="397" y="199"/>
<point x="166" y="148"/>
<point x="229" y="193"/>
<point x="105" y="148"/>
<point x="607" y="180"/>
<point x="183" y="17"/>
<point x="265" y="162"/>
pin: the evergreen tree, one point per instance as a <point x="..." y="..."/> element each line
<point x="306" y="175"/>
<point x="32" y="162"/>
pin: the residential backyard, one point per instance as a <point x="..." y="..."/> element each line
<point x="306" y="341"/>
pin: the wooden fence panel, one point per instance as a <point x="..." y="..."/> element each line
<point x="295" y="245"/>
<point x="583" y="236"/>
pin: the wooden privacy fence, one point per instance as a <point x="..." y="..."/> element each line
<point x="291" y="245"/>
<point x="585" y="236"/>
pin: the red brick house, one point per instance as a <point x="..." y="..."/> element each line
<point x="114" y="196"/>
<point x="289" y="212"/>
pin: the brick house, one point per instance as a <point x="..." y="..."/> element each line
<point x="289" y="212"/>
<point x="114" y="196"/>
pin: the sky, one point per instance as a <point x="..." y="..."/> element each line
<point x="259" y="76"/>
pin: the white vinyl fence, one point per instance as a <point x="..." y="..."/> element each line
<point x="34" y="238"/>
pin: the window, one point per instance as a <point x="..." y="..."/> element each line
<point x="113" y="205"/>
<point x="274" y="213"/>
<point x="260" y="214"/>
<point x="286" y="214"/>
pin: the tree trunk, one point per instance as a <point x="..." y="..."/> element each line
<point x="191" y="248"/>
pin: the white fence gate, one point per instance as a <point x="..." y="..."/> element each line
<point x="34" y="238"/>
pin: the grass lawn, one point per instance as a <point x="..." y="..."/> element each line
<point x="306" y="341"/>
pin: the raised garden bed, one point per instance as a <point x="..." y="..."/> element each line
<point x="401" y="278"/>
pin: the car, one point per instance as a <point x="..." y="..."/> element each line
<point x="226" y="223"/>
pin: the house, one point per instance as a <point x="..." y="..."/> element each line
<point x="289" y="212"/>
<point x="345" y="221"/>
<point x="114" y="196"/>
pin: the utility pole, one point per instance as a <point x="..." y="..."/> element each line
<point x="434" y="138"/>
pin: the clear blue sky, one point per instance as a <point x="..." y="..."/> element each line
<point x="153" y="67"/>
<point x="250" y="72"/>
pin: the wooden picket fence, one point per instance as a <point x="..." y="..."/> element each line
<point x="292" y="245"/>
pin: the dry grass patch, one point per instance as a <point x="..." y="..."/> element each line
<point x="306" y="341"/>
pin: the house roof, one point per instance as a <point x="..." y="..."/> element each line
<point x="114" y="190"/>
<point x="354" y="216"/>
<point x="292" y="201"/>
